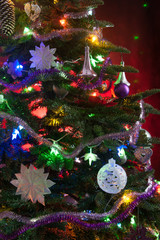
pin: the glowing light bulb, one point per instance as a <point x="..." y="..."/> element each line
<point x="91" y="115"/>
<point x="133" y="222"/>
<point x="94" y="38"/>
<point x="1" y="98"/>
<point x="20" y="127"/>
<point x="30" y="89"/>
<point x="100" y="58"/>
<point x="90" y="12"/>
<point x="19" y="67"/>
<point x="63" y="22"/>
<point x="94" y="94"/>
<point x="158" y="189"/>
<point x="119" y="225"/>
<point x="126" y="199"/>
<point x="77" y="160"/>
<point x="121" y="152"/>
<point x="107" y="219"/>
<point x="136" y="37"/>
<point x="145" y="5"/>
<point x="27" y="31"/>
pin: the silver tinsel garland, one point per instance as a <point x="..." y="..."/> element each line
<point x="7" y="17"/>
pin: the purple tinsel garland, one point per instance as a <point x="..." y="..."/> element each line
<point x="92" y="86"/>
<point x="29" y="80"/>
<point x="57" y="217"/>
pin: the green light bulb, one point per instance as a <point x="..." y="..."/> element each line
<point x="136" y="37"/>
<point x="133" y="222"/>
<point x="145" y="5"/>
<point x="100" y="58"/>
<point x="27" y="31"/>
<point x="107" y="219"/>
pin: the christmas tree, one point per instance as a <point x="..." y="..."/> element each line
<point x="70" y="130"/>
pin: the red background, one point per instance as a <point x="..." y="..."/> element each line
<point x="131" y="19"/>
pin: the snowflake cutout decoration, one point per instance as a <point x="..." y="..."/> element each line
<point x="91" y="157"/>
<point x="43" y="57"/>
<point x="32" y="184"/>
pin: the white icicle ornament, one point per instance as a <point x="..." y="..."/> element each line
<point x="111" y="177"/>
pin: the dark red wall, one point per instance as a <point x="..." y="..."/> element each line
<point x="132" y="19"/>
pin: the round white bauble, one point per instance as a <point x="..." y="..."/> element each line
<point x="111" y="177"/>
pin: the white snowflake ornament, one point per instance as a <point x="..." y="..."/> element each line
<point x="42" y="57"/>
<point x="32" y="184"/>
<point x="111" y="177"/>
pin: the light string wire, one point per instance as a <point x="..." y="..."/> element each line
<point x="54" y="34"/>
<point x="58" y="217"/>
<point x="80" y="147"/>
<point x="93" y="216"/>
<point x="32" y="78"/>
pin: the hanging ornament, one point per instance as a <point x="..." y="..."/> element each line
<point x="87" y="70"/>
<point x="42" y="57"/>
<point x="32" y="184"/>
<point x="146" y="133"/>
<point x="7" y="17"/>
<point x="121" y="90"/>
<point x="143" y="154"/>
<point x="91" y="157"/>
<point x="122" y="77"/>
<point x="111" y="177"/>
<point x="60" y="93"/>
<point x="32" y="10"/>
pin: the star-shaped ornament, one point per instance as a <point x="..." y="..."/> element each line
<point x="42" y="57"/>
<point x="32" y="184"/>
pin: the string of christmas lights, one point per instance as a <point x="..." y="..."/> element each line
<point x="57" y="217"/>
<point x="55" y="34"/>
<point x="19" y="121"/>
<point x="86" y="215"/>
<point x="98" y="83"/>
<point x="81" y="146"/>
<point x="29" y="80"/>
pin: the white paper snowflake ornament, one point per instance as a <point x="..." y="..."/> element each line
<point x="42" y="57"/>
<point x="32" y="184"/>
<point x="111" y="177"/>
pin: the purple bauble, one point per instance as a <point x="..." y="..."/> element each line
<point x="121" y="90"/>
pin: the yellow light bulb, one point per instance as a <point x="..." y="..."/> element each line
<point x="94" y="38"/>
<point x="63" y="22"/>
<point x="126" y="199"/>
